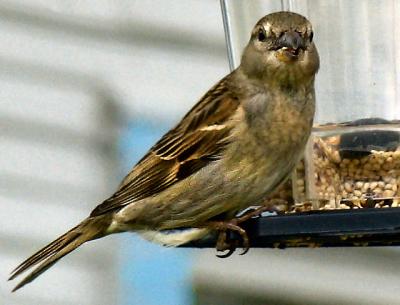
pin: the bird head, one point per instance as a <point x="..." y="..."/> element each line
<point x="281" y="48"/>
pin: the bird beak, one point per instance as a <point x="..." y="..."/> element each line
<point x="290" y="44"/>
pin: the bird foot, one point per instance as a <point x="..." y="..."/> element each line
<point x="223" y="243"/>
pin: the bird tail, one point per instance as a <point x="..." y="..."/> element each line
<point x="89" y="229"/>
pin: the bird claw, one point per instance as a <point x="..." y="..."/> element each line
<point x="245" y="250"/>
<point x="227" y="254"/>
<point x="222" y="244"/>
<point x="233" y="225"/>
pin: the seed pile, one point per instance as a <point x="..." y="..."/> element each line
<point x="357" y="182"/>
<point x="352" y="181"/>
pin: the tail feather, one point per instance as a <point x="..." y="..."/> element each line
<point x="89" y="229"/>
<point x="42" y="254"/>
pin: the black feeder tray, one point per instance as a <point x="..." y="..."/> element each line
<point x="338" y="228"/>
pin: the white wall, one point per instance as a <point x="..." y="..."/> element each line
<point x="67" y="69"/>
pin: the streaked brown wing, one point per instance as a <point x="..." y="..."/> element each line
<point x="197" y="140"/>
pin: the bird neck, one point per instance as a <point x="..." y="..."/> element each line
<point x="289" y="83"/>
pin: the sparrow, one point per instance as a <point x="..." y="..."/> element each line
<point x="234" y="147"/>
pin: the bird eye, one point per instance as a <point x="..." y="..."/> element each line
<point x="311" y="36"/>
<point x="261" y="35"/>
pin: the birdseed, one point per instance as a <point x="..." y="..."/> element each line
<point x="341" y="176"/>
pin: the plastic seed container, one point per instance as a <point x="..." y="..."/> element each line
<point x="352" y="165"/>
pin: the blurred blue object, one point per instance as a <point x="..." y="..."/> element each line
<point x="150" y="274"/>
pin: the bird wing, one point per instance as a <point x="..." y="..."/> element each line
<point x="197" y="140"/>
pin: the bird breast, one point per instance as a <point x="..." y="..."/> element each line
<point x="270" y="141"/>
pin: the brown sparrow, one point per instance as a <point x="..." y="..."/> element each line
<point x="235" y="146"/>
